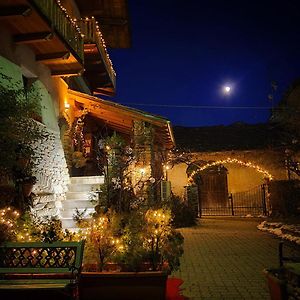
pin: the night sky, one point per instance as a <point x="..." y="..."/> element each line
<point x="183" y="52"/>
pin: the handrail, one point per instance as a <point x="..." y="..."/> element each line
<point x="92" y="34"/>
<point x="62" y="23"/>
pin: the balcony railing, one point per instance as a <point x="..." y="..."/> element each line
<point x="63" y="24"/>
<point x="92" y="34"/>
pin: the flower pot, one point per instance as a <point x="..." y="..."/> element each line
<point x="27" y="189"/>
<point x="123" y="285"/>
<point x="277" y="285"/>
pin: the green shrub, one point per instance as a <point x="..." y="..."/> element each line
<point x="183" y="215"/>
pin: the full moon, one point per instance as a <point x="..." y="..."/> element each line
<point x="227" y="89"/>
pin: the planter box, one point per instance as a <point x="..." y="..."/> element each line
<point x="123" y="285"/>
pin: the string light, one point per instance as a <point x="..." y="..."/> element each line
<point x="75" y="25"/>
<point x="102" y="41"/>
<point x="230" y="160"/>
<point x="8" y="218"/>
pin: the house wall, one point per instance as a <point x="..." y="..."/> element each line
<point x="51" y="170"/>
<point x="240" y="178"/>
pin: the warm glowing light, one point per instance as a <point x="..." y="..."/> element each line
<point x="142" y="171"/>
<point x="67" y="105"/>
<point x="227" y="89"/>
<point x="107" y="148"/>
<point x="231" y="160"/>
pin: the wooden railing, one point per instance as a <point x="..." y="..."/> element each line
<point x="93" y="35"/>
<point x="63" y="25"/>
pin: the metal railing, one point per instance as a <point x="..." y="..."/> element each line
<point x="93" y="35"/>
<point x="251" y="202"/>
<point x="62" y="24"/>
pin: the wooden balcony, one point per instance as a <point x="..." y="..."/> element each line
<point x="45" y="26"/>
<point x="99" y="71"/>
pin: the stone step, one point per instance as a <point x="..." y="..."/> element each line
<point x="78" y="196"/>
<point x="67" y="214"/>
<point x="83" y="187"/>
<point x="72" y="204"/>
<point x="68" y="223"/>
<point x="87" y="180"/>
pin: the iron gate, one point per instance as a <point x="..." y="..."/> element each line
<point x="251" y="202"/>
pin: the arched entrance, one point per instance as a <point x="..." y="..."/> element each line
<point x="209" y="181"/>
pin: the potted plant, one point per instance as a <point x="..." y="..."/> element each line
<point x="130" y="247"/>
<point x="79" y="162"/>
<point x="18" y="132"/>
<point x="142" y="247"/>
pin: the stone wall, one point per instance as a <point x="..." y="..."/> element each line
<point x="51" y="169"/>
<point x="52" y="175"/>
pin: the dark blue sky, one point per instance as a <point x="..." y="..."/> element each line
<point x="183" y="52"/>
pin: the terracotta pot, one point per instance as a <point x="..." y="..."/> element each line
<point x="277" y="286"/>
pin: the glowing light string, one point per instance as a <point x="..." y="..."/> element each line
<point x="231" y="160"/>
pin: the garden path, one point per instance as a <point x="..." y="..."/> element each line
<point x="224" y="259"/>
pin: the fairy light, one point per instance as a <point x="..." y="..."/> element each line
<point x="72" y="21"/>
<point x="102" y="41"/>
<point x="231" y="160"/>
<point x="8" y="218"/>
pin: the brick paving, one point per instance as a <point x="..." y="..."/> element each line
<point x="224" y="259"/>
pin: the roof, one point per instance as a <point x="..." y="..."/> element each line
<point x="120" y="117"/>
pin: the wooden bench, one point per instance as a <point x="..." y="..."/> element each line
<point x="293" y="255"/>
<point x="35" y="270"/>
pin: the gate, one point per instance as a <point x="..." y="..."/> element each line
<point x="251" y="202"/>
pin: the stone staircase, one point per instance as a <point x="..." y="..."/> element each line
<point x="78" y="197"/>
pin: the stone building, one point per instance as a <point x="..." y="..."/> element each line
<point x="59" y="48"/>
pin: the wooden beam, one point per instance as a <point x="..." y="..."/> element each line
<point x="95" y="71"/>
<point x="100" y="84"/>
<point x="52" y="56"/>
<point x="104" y="91"/>
<point x="34" y="37"/>
<point x="93" y="59"/>
<point x="65" y="72"/>
<point x="14" y="11"/>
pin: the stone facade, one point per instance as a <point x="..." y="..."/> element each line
<point x="51" y="169"/>
<point x="52" y="175"/>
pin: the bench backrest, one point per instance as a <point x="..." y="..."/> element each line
<point x="292" y="252"/>
<point x="37" y="257"/>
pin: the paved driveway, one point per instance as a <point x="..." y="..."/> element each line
<point x="224" y="259"/>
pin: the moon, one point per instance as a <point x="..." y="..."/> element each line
<point x="227" y="89"/>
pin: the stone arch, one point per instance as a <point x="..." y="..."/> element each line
<point x="248" y="164"/>
<point x="269" y="160"/>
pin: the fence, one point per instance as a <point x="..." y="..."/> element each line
<point x="251" y="202"/>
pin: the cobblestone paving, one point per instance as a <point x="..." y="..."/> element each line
<point x="224" y="259"/>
